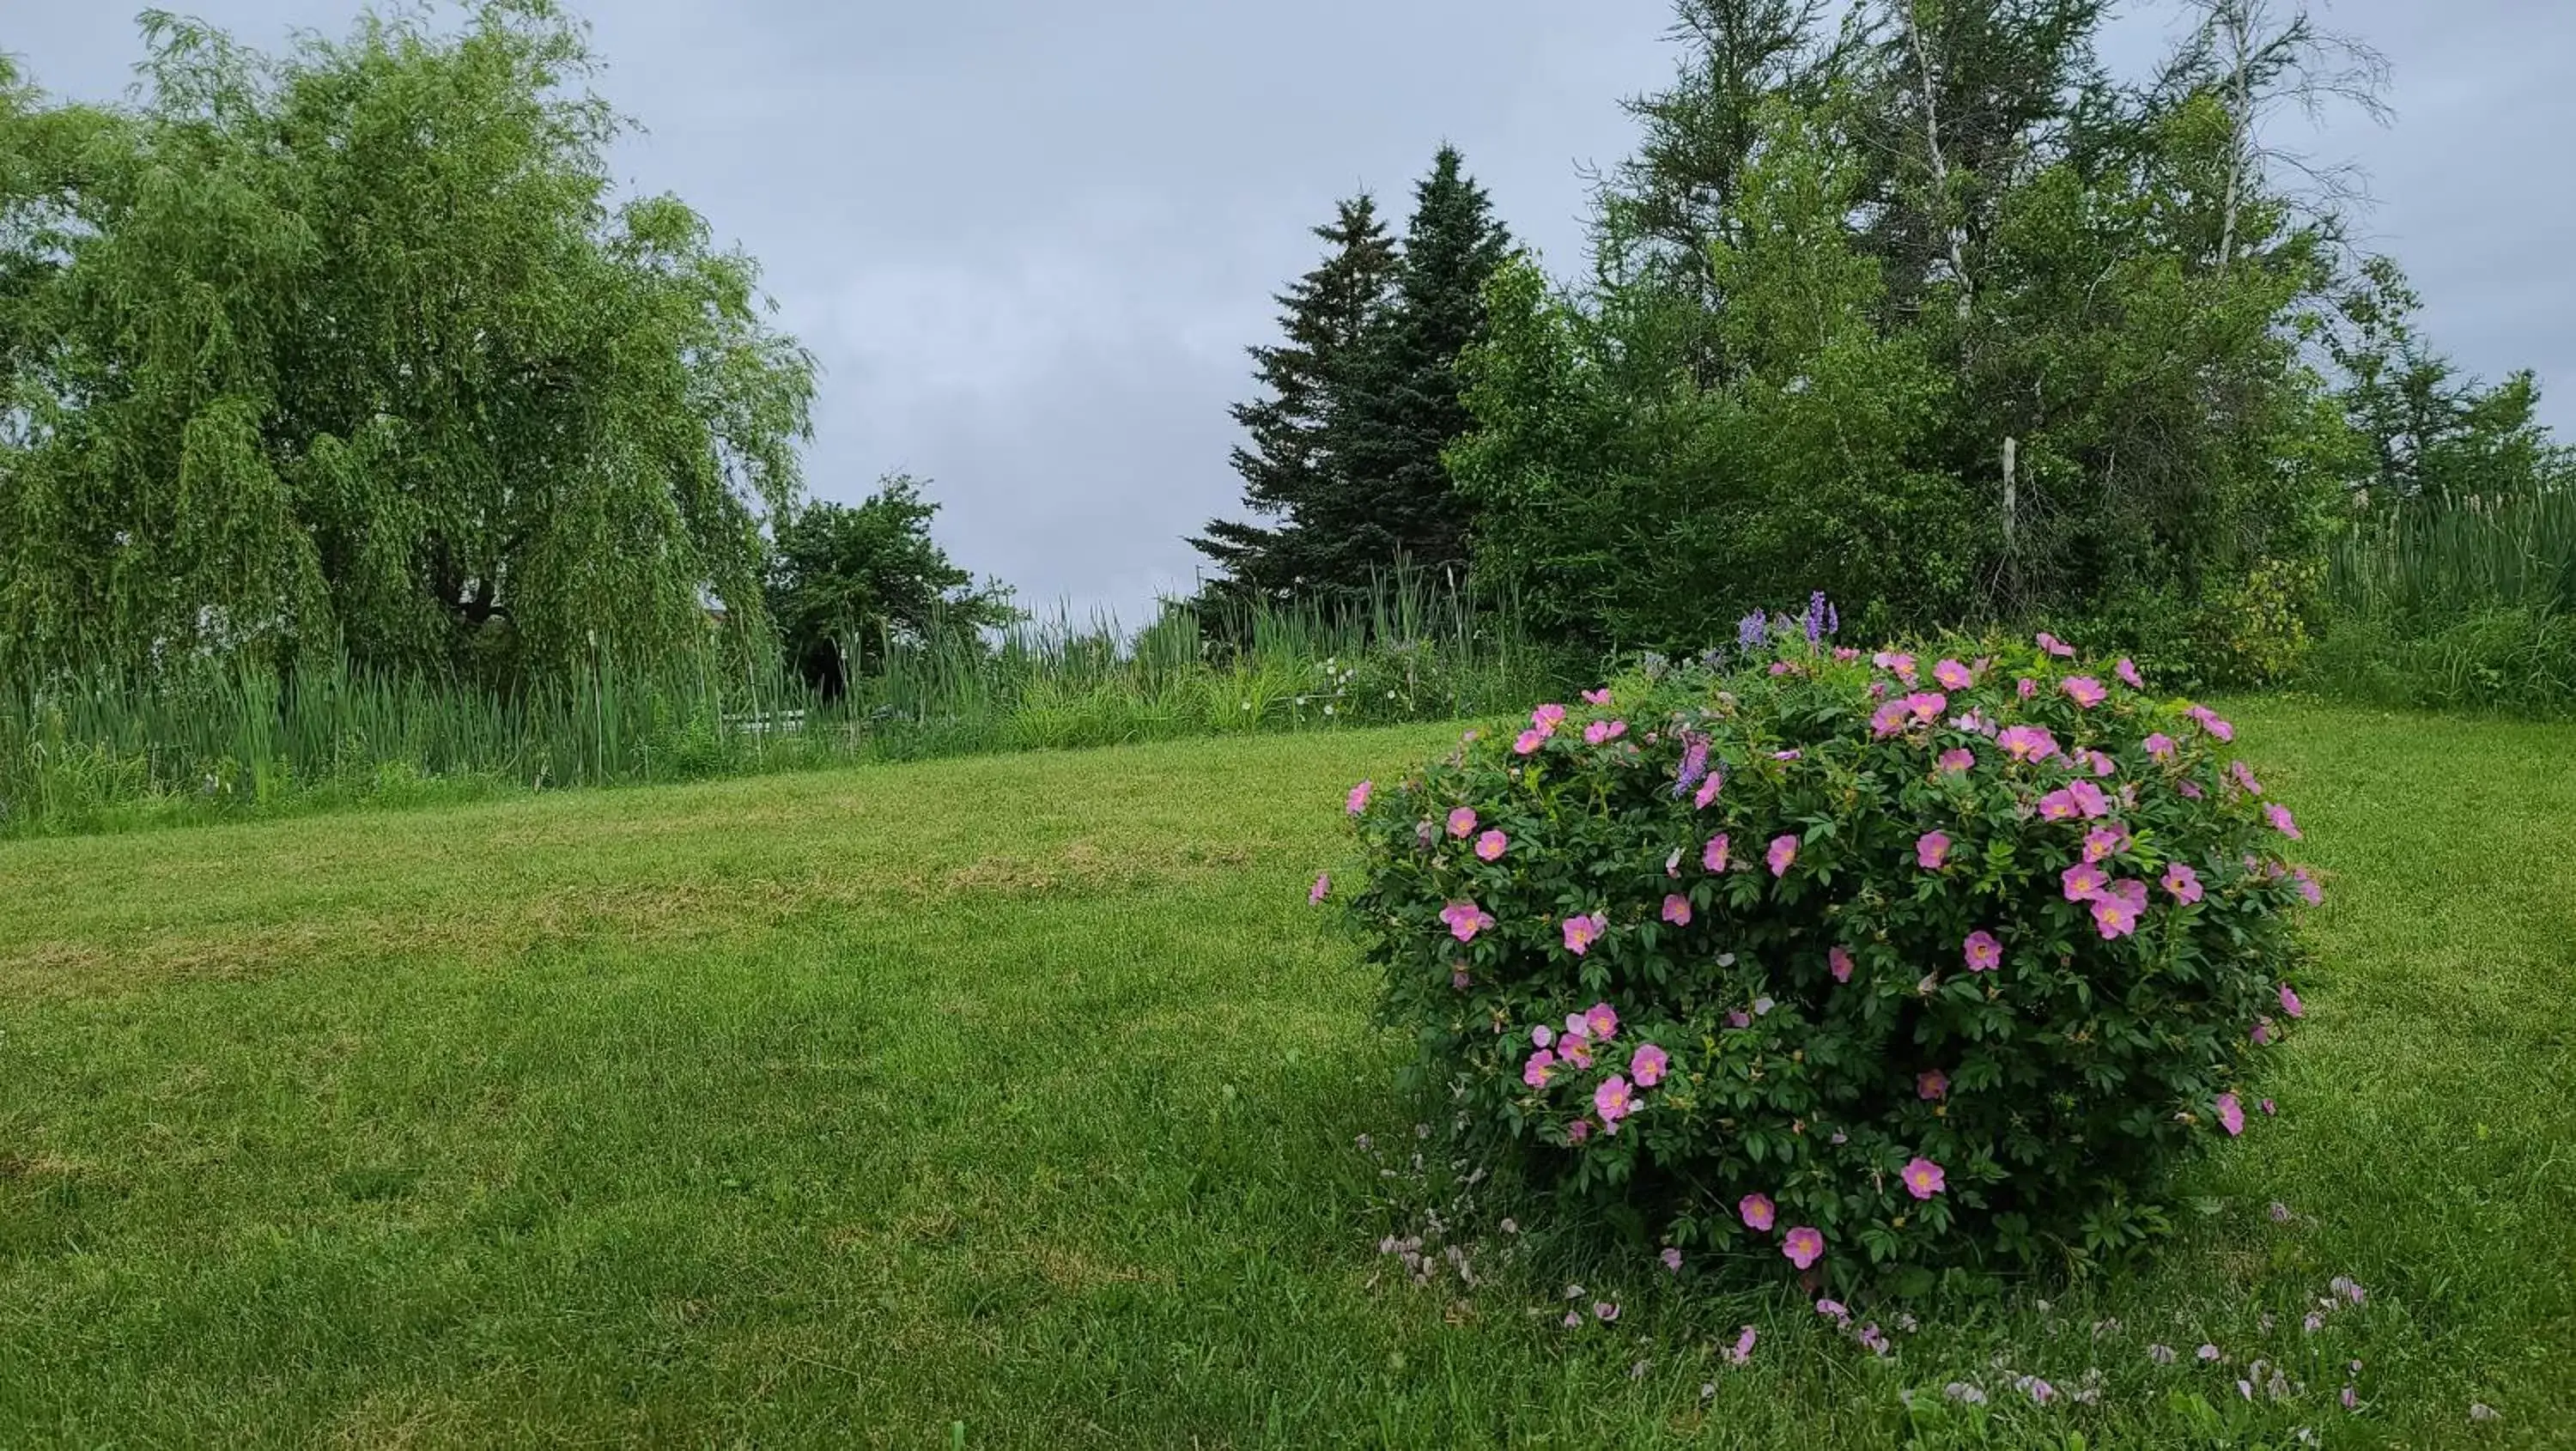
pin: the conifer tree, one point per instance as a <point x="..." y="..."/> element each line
<point x="1285" y="462"/>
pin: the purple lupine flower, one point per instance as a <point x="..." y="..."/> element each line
<point x="1749" y="630"/>
<point x="1694" y="768"/>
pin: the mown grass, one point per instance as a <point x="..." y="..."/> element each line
<point x="1014" y="1101"/>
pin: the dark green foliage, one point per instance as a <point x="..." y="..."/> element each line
<point x="845" y="579"/>
<point x="1288" y="464"/>
<point x="351" y="354"/>
<point x="1734" y="867"/>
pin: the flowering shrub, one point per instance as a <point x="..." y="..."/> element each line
<point x="1866" y="964"/>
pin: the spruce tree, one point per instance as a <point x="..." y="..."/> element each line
<point x="1389" y="498"/>
<point x="1286" y="463"/>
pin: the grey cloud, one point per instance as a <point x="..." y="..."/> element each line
<point x="1029" y="241"/>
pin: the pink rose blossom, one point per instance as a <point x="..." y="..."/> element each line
<point x="2027" y="687"/>
<point x="1983" y="952"/>
<point x="1677" y="909"/>
<point x="1709" y="788"/>
<point x="1784" y="850"/>
<point x="1548" y="717"/>
<point x="1927" y="705"/>
<point x="1757" y="1212"/>
<point x="1931" y="1085"/>
<point x="2097" y="763"/>
<point x="2059" y="805"/>
<point x="1647" y="1065"/>
<point x="2209" y="721"/>
<point x="1542" y="1035"/>
<point x="1742" y="1353"/>
<point x="1358" y="800"/>
<point x="2245" y="777"/>
<point x="2127" y="670"/>
<point x="1953" y="676"/>
<point x="1597" y="697"/>
<point x="2231" y="1114"/>
<point x="1535" y="1071"/>
<point x="2290" y="1003"/>
<point x="1465" y="920"/>
<point x="2262" y="1034"/>
<point x="1323" y="888"/>
<point x="2309" y="891"/>
<point x="1887" y="720"/>
<point x="1923" y="1178"/>
<point x="2084" y="690"/>
<point x="2114" y="916"/>
<point x="2055" y="646"/>
<point x="1803" y="1245"/>
<point x="1492" y="845"/>
<point x="1529" y="741"/>
<point x="2083" y="881"/>
<point x="1604" y="730"/>
<point x="1840" y="959"/>
<point x="1612" y="1100"/>
<point x="2089" y="798"/>
<point x="2279" y="816"/>
<point x="1931" y="849"/>
<point x="2105" y="842"/>
<point x="1713" y="856"/>
<point x="1958" y="758"/>
<point x="2190" y="789"/>
<point x="2183" y="882"/>
<point x="1462" y="822"/>
<point x="2163" y="747"/>
<point x="1901" y="665"/>
<point x="2027" y="743"/>
<point x="1579" y="1130"/>
<point x="1672" y="1259"/>
<point x="1582" y="932"/>
<point x="1601" y="1021"/>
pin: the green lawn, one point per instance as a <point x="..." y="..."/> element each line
<point x="1021" y="1094"/>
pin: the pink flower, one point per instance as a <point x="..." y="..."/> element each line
<point x="2127" y="670"/>
<point x="1901" y="664"/>
<point x="2245" y="777"/>
<point x="1465" y="920"/>
<point x="1888" y="719"/>
<point x="1323" y="888"/>
<point x="1529" y="741"/>
<point x="2097" y="763"/>
<point x="1984" y="953"/>
<point x="1579" y="1130"/>
<point x="1575" y="1047"/>
<point x="1846" y="653"/>
<point x="1604" y="1311"/>
<point x="2163" y="747"/>
<point x="1931" y="1085"/>
<point x="1784" y="850"/>
<point x="1358" y="800"/>
<point x="2083" y="881"/>
<point x="1840" y="959"/>
<point x="1542" y="1035"/>
<point x="2183" y="882"/>
<point x="2269" y="1109"/>
<point x="1953" y="676"/>
<point x="2104" y="842"/>
<point x="1958" y="758"/>
<point x="1548" y="717"/>
<point x="1742" y="1354"/>
<point x="1492" y="845"/>
<point x="1709" y="788"/>
<point x="2115" y="916"/>
<point x="1756" y="1210"/>
<point x="2085" y="691"/>
<point x="2027" y="686"/>
<point x="2059" y="805"/>
<point x="1931" y="849"/>
<point x="1601" y="1020"/>
<point x="1612" y="1100"/>
<point x="2231" y="1114"/>
<point x="1677" y="909"/>
<point x="2210" y="722"/>
<point x="2089" y="798"/>
<point x="2131" y="891"/>
<point x="1597" y="697"/>
<point x="1923" y="1178"/>
<point x="2290" y="1003"/>
<point x="1534" y="1072"/>
<point x="2055" y="646"/>
<point x="1458" y="977"/>
<point x="2279" y="816"/>
<point x="1604" y="730"/>
<point x="2262" y="1034"/>
<point x="1713" y="856"/>
<point x="1672" y="1259"/>
<point x="1647" y="1065"/>
<point x="2027" y="743"/>
<point x="2190" y="789"/>
<point x="1927" y="705"/>
<point x="1803" y="1246"/>
<point x="1462" y="821"/>
<point x="1582" y="932"/>
<point x="2314" y="895"/>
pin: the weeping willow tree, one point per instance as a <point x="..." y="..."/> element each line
<point x="352" y="352"/>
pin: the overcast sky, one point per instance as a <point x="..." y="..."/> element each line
<point x="1029" y="240"/>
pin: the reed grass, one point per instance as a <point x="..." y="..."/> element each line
<point x="2466" y="605"/>
<point x="97" y="753"/>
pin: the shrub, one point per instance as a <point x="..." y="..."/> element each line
<point x="1880" y="965"/>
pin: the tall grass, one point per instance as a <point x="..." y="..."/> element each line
<point x="93" y="753"/>
<point x="2467" y="605"/>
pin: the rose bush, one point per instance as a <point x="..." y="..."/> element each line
<point x="1873" y="964"/>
